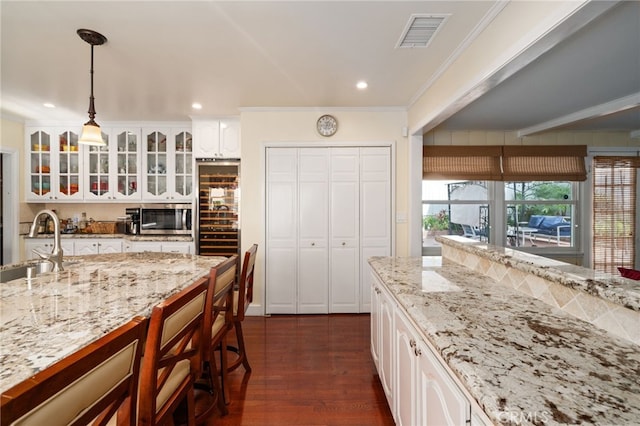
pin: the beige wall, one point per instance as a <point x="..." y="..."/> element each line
<point x="298" y="126"/>
<point x="12" y="143"/>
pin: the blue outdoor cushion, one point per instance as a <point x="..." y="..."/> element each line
<point x="551" y="222"/>
<point x="535" y="221"/>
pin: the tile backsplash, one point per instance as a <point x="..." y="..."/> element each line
<point x="614" y="318"/>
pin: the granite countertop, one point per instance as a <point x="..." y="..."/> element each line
<point x="128" y="237"/>
<point x="614" y="288"/>
<point x="48" y="317"/>
<point x="524" y="361"/>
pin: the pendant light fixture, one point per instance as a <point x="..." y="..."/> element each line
<point x="91" y="134"/>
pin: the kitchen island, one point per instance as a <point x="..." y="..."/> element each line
<point x="48" y="317"/>
<point x="515" y="357"/>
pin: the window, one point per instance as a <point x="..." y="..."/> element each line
<point x="454" y="208"/>
<point x="519" y="196"/>
<point x="540" y="214"/>
<point x="536" y="216"/>
<point x="614" y="212"/>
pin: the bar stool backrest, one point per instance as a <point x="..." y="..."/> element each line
<point x="172" y="354"/>
<point x="244" y="294"/>
<point x="86" y="387"/>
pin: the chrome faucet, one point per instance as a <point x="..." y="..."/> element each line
<point x="55" y="256"/>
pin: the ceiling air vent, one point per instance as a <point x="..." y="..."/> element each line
<point x="420" y="30"/>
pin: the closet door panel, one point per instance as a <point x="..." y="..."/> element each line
<point x="312" y="278"/>
<point x="344" y="230"/>
<point x="281" y="265"/>
<point x="313" y="228"/>
<point x="281" y="279"/>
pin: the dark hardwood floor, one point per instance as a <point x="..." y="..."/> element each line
<point x="306" y="370"/>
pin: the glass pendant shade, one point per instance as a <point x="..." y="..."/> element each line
<point x="91" y="135"/>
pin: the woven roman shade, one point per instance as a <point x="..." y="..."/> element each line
<point x="544" y="163"/>
<point x="614" y="212"/>
<point x="505" y="163"/>
<point x="461" y="162"/>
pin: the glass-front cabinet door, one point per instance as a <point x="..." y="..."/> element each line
<point x="40" y="174"/>
<point x="167" y="164"/>
<point x="127" y="160"/>
<point x="183" y="178"/>
<point x="54" y="168"/>
<point x="156" y="165"/>
<point x="69" y="165"/>
<point x="97" y="186"/>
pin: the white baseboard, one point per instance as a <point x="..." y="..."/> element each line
<point x="255" y="310"/>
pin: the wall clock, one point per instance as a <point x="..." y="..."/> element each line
<point x="327" y="125"/>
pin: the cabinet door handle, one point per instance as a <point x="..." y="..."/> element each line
<point x="344" y="244"/>
<point x="313" y="244"/>
<point x="412" y="343"/>
<point x="417" y="351"/>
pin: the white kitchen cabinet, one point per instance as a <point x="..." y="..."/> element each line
<point x="324" y="208"/>
<point x="54" y="169"/>
<point x="167" y="164"/>
<point x="142" y="246"/>
<point x="424" y="391"/>
<point x="45" y="245"/>
<point x="216" y="138"/>
<point x="157" y="246"/>
<point x="112" y="171"/>
<point x="382" y="331"/>
<point x="86" y="246"/>
<point x="177" y="247"/>
<point x="420" y="388"/>
<point x="154" y="166"/>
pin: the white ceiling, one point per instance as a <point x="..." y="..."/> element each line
<point x="162" y="56"/>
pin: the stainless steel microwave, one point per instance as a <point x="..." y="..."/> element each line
<point x="172" y="219"/>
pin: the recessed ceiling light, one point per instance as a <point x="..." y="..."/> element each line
<point x="196" y="105"/>
<point x="362" y="85"/>
<point x="48" y="105"/>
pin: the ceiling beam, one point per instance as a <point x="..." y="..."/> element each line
<point x="607" y="108"/>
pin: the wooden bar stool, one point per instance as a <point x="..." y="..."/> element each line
<point x="96" y="385"/>
<point x="242" y="298"/>
<point x="172" y="357"/>
<point x="217" y="323"/>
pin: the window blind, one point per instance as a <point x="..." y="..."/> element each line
<point x="506" y="163"/>
<point x="614" y="212"/>
<point x="461" y="162"/>
<point x="544" y="163"/>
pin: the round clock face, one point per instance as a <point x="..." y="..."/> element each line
<point x="327" y="125"/>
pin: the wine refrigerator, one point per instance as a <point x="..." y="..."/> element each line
<point x="218" y="229"/>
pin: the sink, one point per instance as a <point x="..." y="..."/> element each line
<point x="28" y="271"/>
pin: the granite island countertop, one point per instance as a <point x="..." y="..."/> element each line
<point x="55" y="314"/>
<point x="523" y="361"/>
<point x="128" y="237"/>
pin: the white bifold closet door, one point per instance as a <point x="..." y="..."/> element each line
<point x="328" y="209"/>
